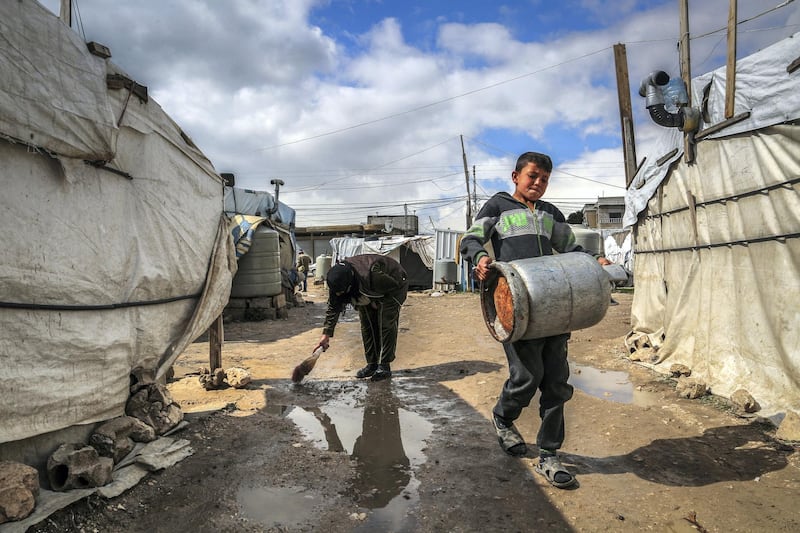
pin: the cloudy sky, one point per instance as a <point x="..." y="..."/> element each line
<point x="361" y="106"/>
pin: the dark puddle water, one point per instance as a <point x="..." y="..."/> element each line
<point x="387" y="441"/>
<point x="367" y="422"/>
<point x="610" y="385"/>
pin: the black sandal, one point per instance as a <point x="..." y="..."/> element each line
<point x="509" y="438"/>
<point x="551" y="468"/>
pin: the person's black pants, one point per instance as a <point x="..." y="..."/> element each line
<point x="537" y="364"/>
<point x="380" y="322"/>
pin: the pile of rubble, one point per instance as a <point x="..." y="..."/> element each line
<point x="117" y="455"/>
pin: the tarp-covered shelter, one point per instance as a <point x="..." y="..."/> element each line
<point x="277" y="216"/>
<point x="415" y="254"/>
<point x="116" y="250"/>
<point x="717" y="241"/>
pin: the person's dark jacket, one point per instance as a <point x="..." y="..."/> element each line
<point x="517" y="232"/>
<point x="376" y="276"/>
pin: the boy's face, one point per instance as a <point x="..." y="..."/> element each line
<point x="531" y="182"/>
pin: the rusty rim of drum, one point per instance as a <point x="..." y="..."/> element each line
<point x="497" y="303"/>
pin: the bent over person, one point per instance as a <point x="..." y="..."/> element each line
<point x="521" y="226"/>
<point x="376" y="286"/>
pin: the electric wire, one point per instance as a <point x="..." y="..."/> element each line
<point x="438" y="102"/>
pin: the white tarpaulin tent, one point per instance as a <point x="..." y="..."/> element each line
<point x="108" y="266"/>
<point x="414" y="253"/>
<point x="717" y="249"/>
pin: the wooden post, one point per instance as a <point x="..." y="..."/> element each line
<point x="66" y="12"/>
<point x="730" y="72"/>
<point x="466" y="175"/>
<point x="625" y="112"/>
<point x="686" y="73"/>
<point x="215" y="340"/>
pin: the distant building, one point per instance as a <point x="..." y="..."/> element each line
<point x="604" y="214"/>
<point x="397" y="224"/>
<point x="315" y="240"/>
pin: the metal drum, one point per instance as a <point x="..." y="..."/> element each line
<point x="445" y="271"/>
<point x="545" y="296"/>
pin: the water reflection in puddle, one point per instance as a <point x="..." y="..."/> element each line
<point x="386" y="441"/>
<point x="611" y="385"/>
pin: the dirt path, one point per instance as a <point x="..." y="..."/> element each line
<point x="280" y="457"/>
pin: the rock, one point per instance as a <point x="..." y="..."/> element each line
<point x="677" y="370"/>
<point x="78" y="466"/>
<point x="213" y="380"/>
<point x="646" y="354"/>
<point x="744" y="401"/>
<point x="238" y="378"/>
<point x="116" y="437"/>
<point x="690" y="388"/>
<point x="790" y="427"/>
<point x="140" y="378"/>
<point x="19" y="487"/>
<point x="154" y="406"/>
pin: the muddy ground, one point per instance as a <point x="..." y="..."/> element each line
<point x="418" y="452"/>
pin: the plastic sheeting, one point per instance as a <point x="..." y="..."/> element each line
<point x="717" y="282"/>
<point x="422" y="245"/>
<point x="104" y="270"/>
<point x="414" y="253"/>
<point x="257" y="203"/>
<point x="620" y="254"/>
<point x="717" y="242"/>
<point x="764" y="88"/>
<point x="52" y="91"/>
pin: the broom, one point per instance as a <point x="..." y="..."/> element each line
<point x="304" y="368"/>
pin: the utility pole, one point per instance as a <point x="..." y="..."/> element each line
<point x="466" y="175"/>
<point x="625" y="112"/>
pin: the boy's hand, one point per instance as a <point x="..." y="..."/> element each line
<point x="482" y="268"/>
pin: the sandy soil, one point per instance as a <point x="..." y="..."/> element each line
<point x="418" y="453"/>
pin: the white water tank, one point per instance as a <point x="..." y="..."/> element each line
<point x="323" y="265"/>
<point x="589" y="239"/>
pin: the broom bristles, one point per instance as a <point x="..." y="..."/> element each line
<point x="305" y="368"/>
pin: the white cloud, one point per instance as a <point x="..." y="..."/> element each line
<point x="249" y="80"/>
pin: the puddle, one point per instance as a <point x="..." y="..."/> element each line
<point x="612" y="385"/>
<point x="285" y="507"/>
<point x="385" y="440"/>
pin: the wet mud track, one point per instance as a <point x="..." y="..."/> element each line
<point x="421" y="459"/>
<point x="418" y="452"/>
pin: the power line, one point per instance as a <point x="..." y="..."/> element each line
<point x="725" y="28"/>
<point x="438" y="102"/>
<point x="315" y="187"/>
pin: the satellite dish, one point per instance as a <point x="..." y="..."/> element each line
<point x="388" y="226"/>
